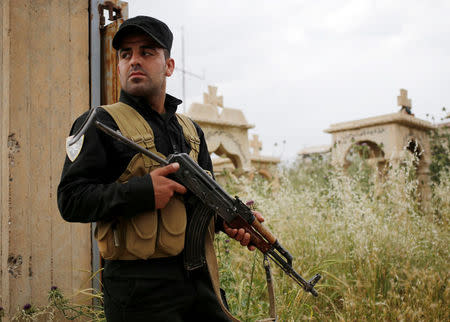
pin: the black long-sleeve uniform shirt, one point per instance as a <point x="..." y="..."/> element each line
<point x="88" y="190"/>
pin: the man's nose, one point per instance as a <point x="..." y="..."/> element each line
<point x="135" y="59"/>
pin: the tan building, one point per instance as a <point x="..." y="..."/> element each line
<point x="385" y="137"/>
<point x="226" y="133"/>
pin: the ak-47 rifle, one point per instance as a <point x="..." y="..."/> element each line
<point x="232" y="210"/>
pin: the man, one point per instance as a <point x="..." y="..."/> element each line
<point x="140" y="212"/>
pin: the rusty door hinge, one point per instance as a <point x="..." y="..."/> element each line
<point x="114" y="12"/>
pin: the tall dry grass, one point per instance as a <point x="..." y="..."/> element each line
<point x="382" y="256"/>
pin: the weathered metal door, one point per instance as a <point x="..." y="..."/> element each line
<point x="110" y="77"/>
<point x="106" y="17"/>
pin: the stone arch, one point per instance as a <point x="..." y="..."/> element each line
<point x="367" y="149"/>
<point x="235" y="158"/>
<point x="227" y="145"/>
<point x="265" y="174"/>
<point x="373" y="150"/>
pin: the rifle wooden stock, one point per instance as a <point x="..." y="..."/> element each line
<point x="264" y="231"/>
<point x="255" y="238"/>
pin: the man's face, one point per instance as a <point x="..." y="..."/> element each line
<point x="142" y="66"/>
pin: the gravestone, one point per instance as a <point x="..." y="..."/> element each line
<point x="264" y="165"/>
<point x="313" y="152"/>
<point x="226" y="133"/>
<point x="386" y="137"/>
<point x="256" y="145"/>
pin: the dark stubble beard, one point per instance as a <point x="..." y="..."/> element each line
<point x="142" y="87"/>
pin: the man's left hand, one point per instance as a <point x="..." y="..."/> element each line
<point x="240" y="235"/>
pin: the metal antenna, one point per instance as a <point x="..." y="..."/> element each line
<point x="184" y="71"/>
<point x="184" y="68"/>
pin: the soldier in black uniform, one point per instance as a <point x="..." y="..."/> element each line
<point x="150" y="289"/>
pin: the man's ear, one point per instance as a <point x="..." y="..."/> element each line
<point x="170" y="64"/>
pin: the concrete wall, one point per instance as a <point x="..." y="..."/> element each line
<point x="44" y="66"/>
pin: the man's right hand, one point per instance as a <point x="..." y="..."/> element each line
<point x="163" y="187"/>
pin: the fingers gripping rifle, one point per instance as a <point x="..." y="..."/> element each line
<point x="232" y="210"/>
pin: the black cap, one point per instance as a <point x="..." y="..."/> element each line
<point x="154" y="28"/>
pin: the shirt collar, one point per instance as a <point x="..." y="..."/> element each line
<point x="139" y="103"/>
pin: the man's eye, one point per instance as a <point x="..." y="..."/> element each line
<point x="148" y="53"/>
<point x="124" y="55"/>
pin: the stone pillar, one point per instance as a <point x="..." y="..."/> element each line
<point x="44" y="66"/>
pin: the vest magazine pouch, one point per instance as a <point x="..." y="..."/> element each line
<point x="158" y="233"/>
<point x="141" y="234"/>
<point x="110" y="239"/>
<point x="172" y="227"/>
<point x="136" y="167"/>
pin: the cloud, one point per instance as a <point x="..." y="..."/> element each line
<point x="295" y="67"/>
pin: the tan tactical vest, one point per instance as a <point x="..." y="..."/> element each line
<point x="153" y="234"/>
<point x="158" y="233"/>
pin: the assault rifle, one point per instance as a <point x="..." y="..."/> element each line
<point x="215" y="199"/>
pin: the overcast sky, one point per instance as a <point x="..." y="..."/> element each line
<point x="295" y="67"/>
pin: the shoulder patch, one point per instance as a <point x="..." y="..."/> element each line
<point x="74" y="150"/>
